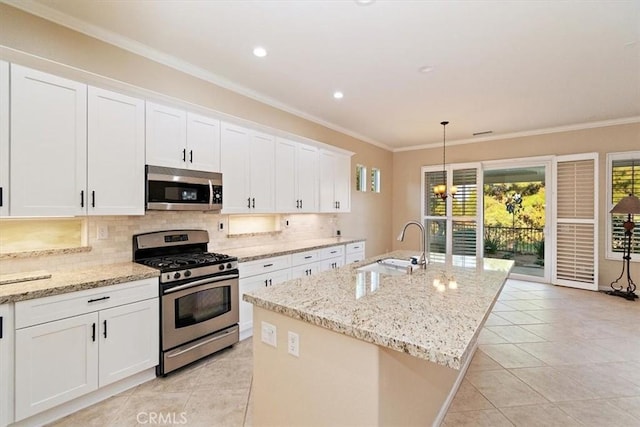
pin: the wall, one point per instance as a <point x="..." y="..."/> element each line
<point x="41" y="44"/>
<point x="603" y="140"/>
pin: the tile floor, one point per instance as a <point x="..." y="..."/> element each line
<point x="548" y="356"/>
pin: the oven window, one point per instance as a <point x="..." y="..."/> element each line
<point x="202" y="306"/>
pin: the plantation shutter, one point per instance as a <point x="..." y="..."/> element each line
<point x="625" y="180"/>
<point x="464" y="209"/>
<point x="575" y="252"/>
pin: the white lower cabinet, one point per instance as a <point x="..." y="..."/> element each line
<point x="331" y="257"/>
<point x="354" y="252"/>
<point x="101" y="336"/>
<point x="6" y="364"/>
<point x="256" y="275"/>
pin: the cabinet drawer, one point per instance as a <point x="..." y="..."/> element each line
<point x="265" y="265"/>
<point x="354" y="257"/>
<point x="41" y="310"/>
<point x="331" y="252"/>
<point x="355" y="247"/>
<point x="306" y="257"/>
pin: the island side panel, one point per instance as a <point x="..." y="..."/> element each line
<point x="412" y="390"/>
<point x="334" y="381"/>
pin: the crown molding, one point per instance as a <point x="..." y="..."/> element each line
<point x="50" y="14"/>
<point x="544" y="131"/>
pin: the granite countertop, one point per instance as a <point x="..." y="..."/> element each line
<point x="405" y="312"/>
<point x="24" y="286"/>
<point x="253" y="253"/>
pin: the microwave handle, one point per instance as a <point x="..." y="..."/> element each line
<point x="210" y="194"/>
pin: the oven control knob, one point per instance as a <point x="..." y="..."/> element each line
<point x="221" y="267"/>
<point x="176" y="276"/>
<point x="229" y="265"/>
<point x="187" y="273"/>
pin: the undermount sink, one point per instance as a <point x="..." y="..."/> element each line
<point x="391" y="266"/>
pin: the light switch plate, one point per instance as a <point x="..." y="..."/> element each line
<point x="293" y="344"/>
<point x="268" y="335"/>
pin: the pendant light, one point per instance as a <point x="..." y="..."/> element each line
<point x="440" y="190"/>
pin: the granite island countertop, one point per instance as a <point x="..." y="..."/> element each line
<point x="23" y="286"/>
<point x="404" y="312"/>
<point x="252" y="253"/>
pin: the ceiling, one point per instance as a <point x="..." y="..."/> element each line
<point x="518" y="67"/>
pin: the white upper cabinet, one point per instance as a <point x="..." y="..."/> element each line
<point x="4" y="138"/>
<point x="248" y="170"/>
<point x="115" y="159"/>
<point x="335" y="182"/>
<point x="203" y="143"/>
<point x="48" y="158"/>
<point x="182" y="140"/>
<point x="296" y="177"/>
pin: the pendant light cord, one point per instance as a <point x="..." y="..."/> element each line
<point x="444" y="149"/>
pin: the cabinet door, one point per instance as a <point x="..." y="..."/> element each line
<point x="327" y="177"/>
<point x="115" y="159"/>
<point x="234" y="162"/>
<point x="287" y="199"/>
<point x="55" y="362"/>
<point x="48" y="144"/>
<point x="331" y="263"/>
<point x="6" y="363"/>
<point x="252" y="283"/>
<point x="203" y="143"/>
<point x="307" y="177"/>
<point x="166" y="136"/>
<point x="129" y="340"/>
<point x="262" y="172"/>
<point x="342" y="182"/>
<point x="4" y="141"/>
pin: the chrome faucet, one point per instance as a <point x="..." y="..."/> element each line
<point x="423" y="257"/>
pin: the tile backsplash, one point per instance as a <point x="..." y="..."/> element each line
<point x="117" y="247"/>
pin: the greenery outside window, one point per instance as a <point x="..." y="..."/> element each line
<point x="623" y="178"/>
<point x="361" y="178"/>
<point x="375" y="180"/>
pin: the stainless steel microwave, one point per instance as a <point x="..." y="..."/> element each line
<point x="170" y="189"/>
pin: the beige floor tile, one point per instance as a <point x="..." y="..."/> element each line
<point x="496" y="320"/>
<point x="182" y="380"/>
<point x="226" y="374"/>
<point x="515" y="334"/>
<point x="468" y="398"/>
<point x="555" y="315"/>
<point x="631" y="405"/>
<point x="598" y="413"/>
<point x="549" y="332"/>
<point x="510" y="295"/>
<point x="209" y="408"/>
<point x="501" y="306"/>
<point x="519" y="318"/>
<point x="482" y="418"/>
<point x="539" y="415"/>
<point x="510" y="356"/>
<point x="553" y="385"/>
<point x="629" y="347"/>
<point x="482" y="362"/>
<point x="521" y="305"/>
<point x="162" y="405"/>
<point x="629" y="371"/>
<point x="569" y="352"/>
<point x="489" y="337"/>
<point x="98" y="415"/>
<point x="504" y="389"/>
<point x="604" y="380"/>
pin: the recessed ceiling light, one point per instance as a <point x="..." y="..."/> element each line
<point x="426" y="69"/>
<point x="338" y="95"/>
<point x="260" y="52"/>
<point x="364" y="2"/>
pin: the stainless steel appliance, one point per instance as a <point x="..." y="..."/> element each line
<point x="199" y="306"/>
<point x="170" y="189"/>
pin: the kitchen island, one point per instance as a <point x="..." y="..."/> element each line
<point x="372" y="349"/>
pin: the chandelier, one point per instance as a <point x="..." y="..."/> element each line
<point x="440" y="190"/>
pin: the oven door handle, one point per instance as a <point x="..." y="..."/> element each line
<point x="200" y="282"/>
<point x="200" y="344"/>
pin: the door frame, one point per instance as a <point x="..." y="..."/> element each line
<point x="523" y="162"/>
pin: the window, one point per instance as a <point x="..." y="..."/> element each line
<point x="361" y="178"/>
<point x="375" y="180"/>
<point x="623" y="178"/>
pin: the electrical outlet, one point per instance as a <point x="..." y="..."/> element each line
<point x="293" y="344"/>
<point x="268" y="335"/>
<point x="103" y="232"/>
<point x="220" y="225"/>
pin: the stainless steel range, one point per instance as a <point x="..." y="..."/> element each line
<point x="199" y="306"/>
